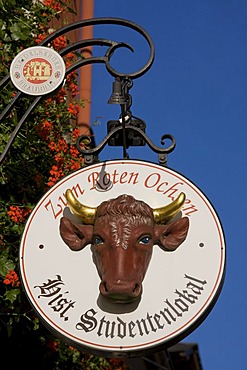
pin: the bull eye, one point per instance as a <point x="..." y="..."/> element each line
<point x="145" y="239"/>
<point x="97" y="240"/>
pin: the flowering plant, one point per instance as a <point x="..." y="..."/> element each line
<point x="43" y="152"/>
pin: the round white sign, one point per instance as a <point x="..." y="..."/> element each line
<point x="37" y="70"/>
<point x="182" y="280"/>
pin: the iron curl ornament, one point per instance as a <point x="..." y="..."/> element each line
<point x="128" y="130"/>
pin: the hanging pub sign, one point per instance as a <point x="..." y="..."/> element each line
<point x="123" y="258"/>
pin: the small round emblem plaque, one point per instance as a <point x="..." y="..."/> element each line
<point x="37" y="71"/>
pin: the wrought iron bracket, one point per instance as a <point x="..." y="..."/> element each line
<point x="90" y="154"/>
<point x="126" y="125"/>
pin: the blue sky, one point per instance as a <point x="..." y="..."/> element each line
<point x="196" y="90"/>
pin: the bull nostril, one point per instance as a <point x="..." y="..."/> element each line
<point x="103" y="288"/>
<point x="137" y="289"/>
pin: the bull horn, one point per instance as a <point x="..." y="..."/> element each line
<point x="84" y="213"/>
<point x="166" y="213"/>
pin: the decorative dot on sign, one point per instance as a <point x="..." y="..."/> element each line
<point x="41" y="246"/>
<point x="201" y="245"/>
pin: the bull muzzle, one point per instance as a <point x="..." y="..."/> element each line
<point x="121" y="291"/>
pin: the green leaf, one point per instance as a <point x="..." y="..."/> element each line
<point x="5" y="5"/>
<point x="19" y="31"/>
<point x="36" y="323"/>
<point x="12" y="295"/>
<point x="5" y="265"/>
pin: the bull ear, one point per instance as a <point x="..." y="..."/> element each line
<point x="76" y="236"/>
<point x="169" y="237"/>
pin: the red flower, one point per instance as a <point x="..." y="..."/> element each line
<point x="51" y="344"/>
<point x="44" y="128"/>
<point x="75" y="134"/>
<point x="74" y="165"/>
<point x="73" y="109"/>
<point x="40" y="38"/>
<point x="56" y="174"/>
<point x="12" y="278"/>
<point x="18" y="214"/>
<point x="74" y="152"/>
<point x="59" y="43"/>
<point x="55" y="5"/>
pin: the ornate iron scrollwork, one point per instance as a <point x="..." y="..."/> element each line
<point x="90" y="153"/>
<point x="126" y="131"/>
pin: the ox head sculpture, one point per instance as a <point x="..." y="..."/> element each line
<point x="122" y="232"/>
